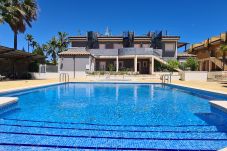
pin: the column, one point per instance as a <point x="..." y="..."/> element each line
<point x="74" y="67"/>
<point x="135" y="64"/>
<point x="210" y="65"/>
<point x="92" y="64"/>
<point x="117" y="64"/>
<point x="152" y="65"/>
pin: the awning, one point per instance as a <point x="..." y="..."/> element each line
<point x="181" y="44"/>
<point x="9" y="53"/>
<point x="75" y="52"/>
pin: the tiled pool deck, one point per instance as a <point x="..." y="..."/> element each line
<point x="21" y="84"/>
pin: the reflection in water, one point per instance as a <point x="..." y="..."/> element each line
<point x="135" y="94"/>
<point x="112" y="104"/>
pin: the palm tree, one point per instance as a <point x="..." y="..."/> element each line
<point x="63" y="41"/>
<point x="223" y="49"/>
<point x="6" y="10"/>
<point x="52" y="49"/>
<point x="18" y="14"/>
<point x="29" y="39"/>
<point x="34" y="44"/>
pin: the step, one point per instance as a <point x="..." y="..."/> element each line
<point x="7" y="104"/>
<point x="158" y="135"/>
<point x="219" y="104"/>
<point x="22" y="134"/>
<point x="82" y="143"/>
<point x="101" y="127"/>
<point x="4" y="101"/>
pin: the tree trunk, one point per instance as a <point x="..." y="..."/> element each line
<point x="28" y="46"/>
<point x="223" y="60"/>
<point x="15" y="40"/>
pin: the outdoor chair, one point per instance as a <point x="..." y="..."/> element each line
<point x="2" y="77"/>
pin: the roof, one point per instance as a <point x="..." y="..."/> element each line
<point x="6" y="52"/>
<point x="185" y="55"/>
<point x="210" y="41"/>
<point x="75" y="52"/>
<point x="181" y="44"/>
<point x="4" y="49"/>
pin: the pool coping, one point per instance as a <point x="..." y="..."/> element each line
<point x="219" y="104"/>
<point x="201" y="89"/>
<point x="114" y="82"/>
<point x="2" y="92"/>
<point x="5" y="101"/>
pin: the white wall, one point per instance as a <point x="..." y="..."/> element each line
<point x="47" y="75"/>
<point x="194" y="76"/>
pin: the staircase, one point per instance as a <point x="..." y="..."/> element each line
<point x="163" y="62"/>
<point x="17" y="134"/>
<point x="216" y="61"/>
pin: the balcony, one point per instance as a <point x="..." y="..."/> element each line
<point x="140" y="51"/>
<point x="126" y="51"/>
<point x="104" y="52"/>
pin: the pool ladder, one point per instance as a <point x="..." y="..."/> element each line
<point x="64" y="77"/>
<point x="166" y="78"/>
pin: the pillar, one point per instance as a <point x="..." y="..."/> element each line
<point x="152" y="65"/>
<point x="135" y="64"/>
<point x="117" y="64"/>
<point x="210" y="65"/>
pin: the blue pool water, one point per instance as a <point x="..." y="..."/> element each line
<point x="113" y="116"/>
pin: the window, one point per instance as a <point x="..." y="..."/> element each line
<point x="170" y="47"/>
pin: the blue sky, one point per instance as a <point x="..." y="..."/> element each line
<point x="193" y="20"/>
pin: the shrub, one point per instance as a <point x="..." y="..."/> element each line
<point x="172" y="65"/>
<point x="33" y="67"/>
<point x="111" y="67"/>
<point x="25" y="75"/>
<point x="192" y="63"/>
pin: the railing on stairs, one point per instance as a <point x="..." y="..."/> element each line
<point x="216" y="61"/>
<point x="64" y="77"/>
<point x="166" y="78"/>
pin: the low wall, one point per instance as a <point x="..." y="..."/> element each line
<point x="213" y="74"/>
<point x="51" y="75"/>
<point x="194" y="76"/>
<point x="47" y="75"/>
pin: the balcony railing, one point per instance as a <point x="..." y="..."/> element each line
<point x="126" y="51"/>
<point x="140" y="51"/>
<point x="104" y="52"/>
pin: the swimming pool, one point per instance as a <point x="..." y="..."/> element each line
<point x="113" y="116"/>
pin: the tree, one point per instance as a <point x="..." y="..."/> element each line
<point x="56" y="45"/>
<point x="6" y="10"/>
<point x="34" y="44"/>
<point x="18" y="14"/>
<point x="52" y="49"/>
<point x="172" y="65"/>
<point x="192" y="63"/>
<point x="29" y="39"/>
<point x="63" y="41"/>
<point x="223" y="49"/>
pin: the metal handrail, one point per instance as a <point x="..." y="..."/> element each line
<point x="64" y="77"/>
<point x="166" y="78"/>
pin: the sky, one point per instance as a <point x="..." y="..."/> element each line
<point x="192" y="20"/>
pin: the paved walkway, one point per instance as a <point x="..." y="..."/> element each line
<point x="18" y="84"/>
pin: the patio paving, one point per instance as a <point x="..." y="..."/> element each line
<point x="19" y="84"/>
